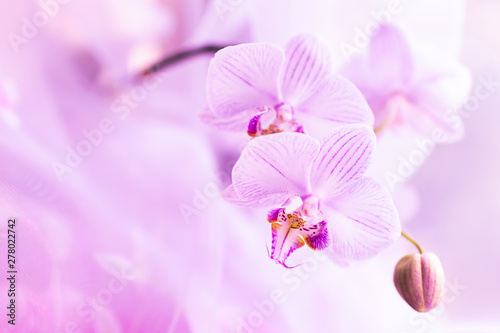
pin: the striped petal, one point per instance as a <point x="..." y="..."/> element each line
<point x="277" y="164"/>
<point x="337" y="100"/>
<point x="308" y="64"/>
<point x="244" y="77"/>
<point x="343" y="158"/>
<point x="362" y="220"/>
<point x="230" y="195"/>
<point x="236" y="123"/>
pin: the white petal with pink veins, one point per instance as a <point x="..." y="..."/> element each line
<point x="336" y="100"/>
<point x="343" y="158"/>
<point x="362" y="220"/>
<point x="308" y="63"/>
<point x="277" y="164"/>
<point x="244" y="77"/>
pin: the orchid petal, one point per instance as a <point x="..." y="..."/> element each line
<point x="230" y="195"/>
<point x="337" y="100"/>
<point x="440" y="74"/>
<point x="386" y="68"/>
<point x="290" y="232"/>
<point x="236" y="123"/>
<point x="308" y="63"/>
<point x="285" y="235"/>
<point x="285" y="240"/>
<point x="275" y="164"/>
<point x="316" y="235"/>
<point x="362" y="220"/>
<point x="445" y="86"/>
<point x="244" y="77"/>
<point x="343" y="158"/>
<point x="275" y="215"/>
<point x="390" y="59"/>
<point x="428" y="113"/>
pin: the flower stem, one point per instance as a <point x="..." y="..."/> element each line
<point x="412" y="241"/>
<point x="180" y="56"/>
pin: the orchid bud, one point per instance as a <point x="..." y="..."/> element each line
<point x="419" y="279"/>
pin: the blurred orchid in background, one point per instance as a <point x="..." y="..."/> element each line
<point x="404" y="88"/>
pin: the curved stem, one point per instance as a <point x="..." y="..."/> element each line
<point x="178" y="57"/>
<point x="412" y="241"/>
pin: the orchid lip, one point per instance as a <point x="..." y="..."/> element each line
<point x="290" y="232"/>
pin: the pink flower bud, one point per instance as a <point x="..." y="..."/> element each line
<point x="419" y="279"/>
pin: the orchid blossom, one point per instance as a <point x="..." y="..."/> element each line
<point x="403" y="88"/>
<point x="264" y="89"/>
<point x="351" y="215"/>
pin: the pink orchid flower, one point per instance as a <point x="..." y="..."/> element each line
<point x="351" y="215"/>
<point x="407" y="87"/>
<point x="264" y="89"/>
